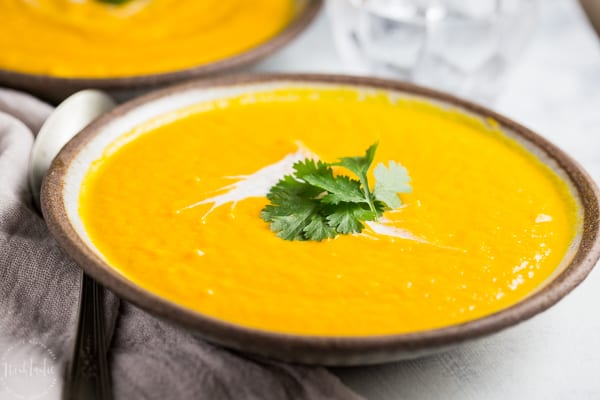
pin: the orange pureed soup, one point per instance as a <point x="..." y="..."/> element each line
<point x="97" y="39"/>
<point x="175" y="208"/>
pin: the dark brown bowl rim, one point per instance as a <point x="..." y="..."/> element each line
<point x="250" y="56"/>
<point x="331" y="350"/>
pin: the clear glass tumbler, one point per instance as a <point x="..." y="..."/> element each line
<point x="460" y="46"/>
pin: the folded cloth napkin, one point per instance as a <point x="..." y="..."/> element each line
<point x="150" y="359"/>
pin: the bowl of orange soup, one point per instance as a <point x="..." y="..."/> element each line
<point x="163" y="200"/>
<point x="53" y="48"/>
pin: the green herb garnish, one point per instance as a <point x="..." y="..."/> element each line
<point x="315" y="204"/>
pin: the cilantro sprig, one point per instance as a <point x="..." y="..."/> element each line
<point x="313" y="203"/>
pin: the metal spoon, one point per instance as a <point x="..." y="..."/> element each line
<point x="88" y="374"/>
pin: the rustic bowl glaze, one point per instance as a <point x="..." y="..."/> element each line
<point x="55" y="89"/>
<point x="60" y="194"/>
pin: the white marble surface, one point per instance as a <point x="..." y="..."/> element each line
<point x="555" y="89"/>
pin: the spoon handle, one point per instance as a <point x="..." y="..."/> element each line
<point x="89" y="376"/>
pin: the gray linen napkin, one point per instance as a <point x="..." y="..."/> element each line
<point x="150" y="359"/>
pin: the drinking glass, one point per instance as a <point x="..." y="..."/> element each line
<point x="464" y="47"/>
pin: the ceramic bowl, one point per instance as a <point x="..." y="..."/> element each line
<point x="55" y="89"/>
<point x="60" y="193"/>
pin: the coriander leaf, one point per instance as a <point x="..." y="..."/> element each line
<point x="318" y="229"/>
<point x="293" y="204"/>
<point x="310" y="167"/>
<point x="339" y="188"/>
<point x="360" y="166"/>
<point x="315" y="204"/>
<point x="289" y="221"/>
<point x="347" y="217"/>
<point x="380" y="207"/>
<point x="389" y="182"/>
<point x="289" y="227"/>
<point x="288" y="190"/>
<point x="320" y="174"/>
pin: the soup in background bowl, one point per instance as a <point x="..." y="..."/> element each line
<point x="161" y="200"/>
<point x="138" y="44"/>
